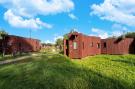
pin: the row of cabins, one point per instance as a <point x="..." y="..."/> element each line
<point x="16" y="44"/>
<point x="78" y="46"/>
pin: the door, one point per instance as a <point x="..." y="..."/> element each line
<point x="67" y="48"/>
<point x="75" y="49"/>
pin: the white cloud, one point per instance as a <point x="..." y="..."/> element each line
<point x="18" y="21"/>
<point x="72" y="16"/>
<point x="49" y="41"/>
<point x="118" y="29"/>
<point x="99" y="33"/>
<point x="119" y="11"/>
<point x="38" y="7"/>
<point x="115" y="30"/>
<point x="25" y="11"/>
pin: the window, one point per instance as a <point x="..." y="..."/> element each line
<point x="91" y="44"/>
<point x="74" y="45"/>
<point x="104" y="44"/>
<point x="98" y="45"/>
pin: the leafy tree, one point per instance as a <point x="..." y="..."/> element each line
<point x="2" y="38"/>
<point x="127" y="35"/>
<point x="59" y="44"/>
<point x="130" y="35"/>
<point x="65" y="36"/>
<point x="2" y="34"/>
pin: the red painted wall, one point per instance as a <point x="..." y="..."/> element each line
<point x="113" y="46"/>
<point x="20" y="44"/>
<point x="90" y="44"/>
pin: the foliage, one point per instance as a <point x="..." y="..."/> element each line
<point x="130" y="35"/>
<point x="127" y="35"/>
<point x="47" y="44"/>
<point x="48" y="47"/>
<point x="59" y="41"/>
<point x="2" y="33"/>
<point x="66" y="36"/>
<point x="59" y="44"/>
<point x="54" y="71"/>
<point x="2" y="36"/>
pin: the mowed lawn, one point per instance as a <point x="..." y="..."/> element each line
<point x="55" y="71"/>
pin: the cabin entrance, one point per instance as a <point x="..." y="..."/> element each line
<point x="132" y="47"/>
<point x="67" y="48"/>
<point x="74" y="46"/>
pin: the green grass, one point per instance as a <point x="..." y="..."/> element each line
<point x="54" y="71"/>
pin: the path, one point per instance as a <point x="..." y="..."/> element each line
<point x="16" y="60"/>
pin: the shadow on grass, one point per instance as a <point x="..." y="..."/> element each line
<point x="55" y="72"/>
<point x="129" y="62"/>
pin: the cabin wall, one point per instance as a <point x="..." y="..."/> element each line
<point x="20" y="44"/>
<point x="90" y="46"/>
<point x="113" y="46"/>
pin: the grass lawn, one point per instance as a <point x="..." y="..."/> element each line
<point x="54" y="71"/>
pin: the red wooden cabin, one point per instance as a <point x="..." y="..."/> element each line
<point x="79" y="45"/>
<point x="118" y="46"/>
<point x="19" y="44"/>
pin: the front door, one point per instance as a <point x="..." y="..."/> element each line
<point x="67" y="48"/>
<point x="75" y="50"/>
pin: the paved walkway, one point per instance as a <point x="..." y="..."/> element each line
<point x="16" y="60"/>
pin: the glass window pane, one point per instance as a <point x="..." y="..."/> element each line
<point x="75" y="45"/>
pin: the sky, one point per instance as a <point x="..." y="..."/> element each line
<point x="48" y="20"/>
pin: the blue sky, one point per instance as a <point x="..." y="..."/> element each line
<point x="50" y="19"/>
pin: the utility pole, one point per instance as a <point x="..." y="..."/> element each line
<point x="30" y="38"/>
<point x="30" y="33"/>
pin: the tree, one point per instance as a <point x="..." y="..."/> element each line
<point x="2" y="38"/>
<point x="66" y="36"/>
<point x="59" y="44"/>
<point x="127" y="35"/>
<point x="130" y="35"/>
<point x="2" y="34"/>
